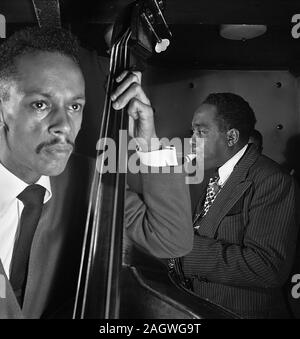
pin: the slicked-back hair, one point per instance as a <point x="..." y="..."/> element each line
<point x="31" y="40"/>
<point x="233" y="112"/>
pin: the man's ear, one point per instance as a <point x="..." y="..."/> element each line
<point x="233" y="136"/>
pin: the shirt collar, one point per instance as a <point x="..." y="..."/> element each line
<point x="45" y="182"/>
<point x="12" y="186"/>
<point x="225" y="170"/>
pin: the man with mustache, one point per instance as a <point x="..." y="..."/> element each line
<point x="42" y="96"/>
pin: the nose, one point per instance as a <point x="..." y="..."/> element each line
<point x="194" y="137"/>
<point x="60" y="123"/>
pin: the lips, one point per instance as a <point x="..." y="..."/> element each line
<point x="59" y="149"/>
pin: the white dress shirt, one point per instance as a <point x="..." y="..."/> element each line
<point x="225" y="170"/>
<point x="10" y="211"/>
<point x="168" y="157"/>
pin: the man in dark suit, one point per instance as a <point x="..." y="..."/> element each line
<point x="42" y="96"/>
<point x="245" y="224"/>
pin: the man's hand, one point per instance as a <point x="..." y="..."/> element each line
<point x="141" y="122"/>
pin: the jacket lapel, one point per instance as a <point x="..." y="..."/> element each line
<point x="45" y="252"/>
<point x="232" y="191"/>
<point x="56" y="245"/>
<point x="41" y="267"/>
<point x="198" y="193"/>
<point x="9" y="306"/>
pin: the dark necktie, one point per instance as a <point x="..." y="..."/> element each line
<point x="32" y="197"/>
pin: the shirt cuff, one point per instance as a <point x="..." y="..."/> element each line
<point x="159" y="158"/>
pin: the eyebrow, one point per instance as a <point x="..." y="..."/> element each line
<point x="79" y="97"/>
<point x="47" y="95"/>
<point x="199" y="125"/>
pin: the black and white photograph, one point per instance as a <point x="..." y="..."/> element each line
<point x="150" y="162"/>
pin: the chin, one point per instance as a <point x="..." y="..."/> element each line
<point x="54" y="173"/>
<point x="53" y="163"/>
<point x="54" y="169"/>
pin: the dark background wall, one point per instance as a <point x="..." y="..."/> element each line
<point x="176" y="93"/>
<point x="273" y="95"/>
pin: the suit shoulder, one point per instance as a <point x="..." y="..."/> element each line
<point x="266" y="167"/>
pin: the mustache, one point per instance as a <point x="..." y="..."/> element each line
<point x="53" y="142"/>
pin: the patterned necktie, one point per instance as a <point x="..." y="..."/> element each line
<point x="32" y="197"/>
<point x="211" y="193"/>
<point x="175" y="264"/>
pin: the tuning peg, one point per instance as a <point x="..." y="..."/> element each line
<point x="159" y="4"/>
<point x="162" y="45"/>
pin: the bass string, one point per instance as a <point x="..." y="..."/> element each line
<point x="119" y="58"/>
<point x="112" y="253"/>
<point x="93" y="193"/>
<point x="98" y="174"/>
<point x="97" y="182"/>
<point x="99" y="191"/>
<point x="123" y="43"/>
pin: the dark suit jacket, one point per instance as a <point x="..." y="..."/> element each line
<point x="244" y="248"/>
<point x="56" y="247"/>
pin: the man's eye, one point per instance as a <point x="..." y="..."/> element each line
<point x="39" y="105"/>
<point x="197" y="131"/>
<point x="76" y="107"/>
<point x="201" y="133"/>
